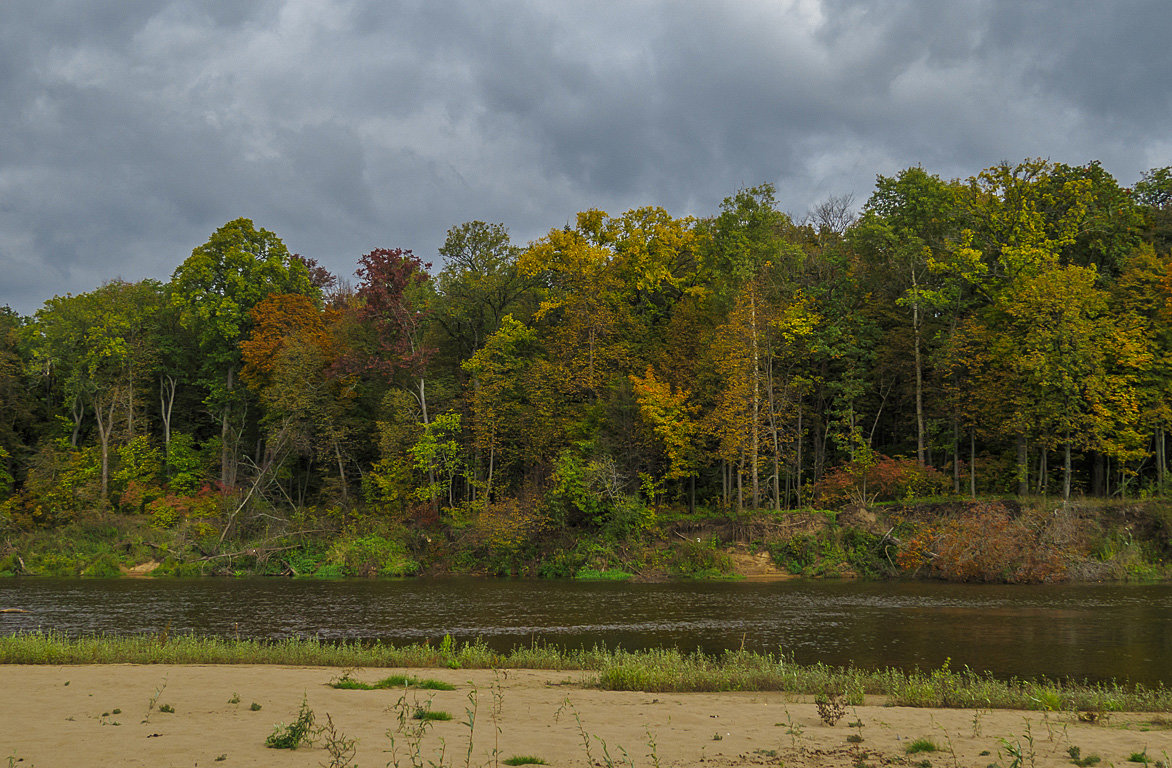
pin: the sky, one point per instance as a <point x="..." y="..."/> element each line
<point x="132" y="130"/>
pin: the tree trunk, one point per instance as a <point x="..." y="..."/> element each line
<point x="724" y="483"/>
<point x="1098" y="476"/>
<point x="919" y="381"/>
<point x="78" y="410"/>
<point x="1066" y="472"/>
<point x="740" y="484"/>
<point x="488" y="482"/>
<point x="955" y="457"/>
<point x="973" y="462"/>
<point x="166" y="403"/>
<point x="756" y="402"/>
<point x="1161" y="463"/>
<point x="227" y="471"/>
<point x="341" y="471"/>
<point x="105" y="422"/>
<point x="771" y="403"/>
<point x="1023" y="466"/>
<point x="798" y="481"/>
<point x="130" y="405"/>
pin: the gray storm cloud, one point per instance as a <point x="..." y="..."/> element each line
<point x="130" y="131"/>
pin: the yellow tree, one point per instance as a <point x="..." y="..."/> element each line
<point x="670" y="415"/>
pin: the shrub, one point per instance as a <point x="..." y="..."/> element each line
<point x="984" y="543"/>
<point x="826" y="552"/>
<point x="371" y="555"/>
<point x="699" y="559"/>
<point x="136" y="478"/>
<point x="883" y="479"/>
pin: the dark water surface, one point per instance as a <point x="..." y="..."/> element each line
<point x="1093" y="631"/>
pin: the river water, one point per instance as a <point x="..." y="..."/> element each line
<point x="1083" y="631"/>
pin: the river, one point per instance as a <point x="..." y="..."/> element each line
<point x="1098" y="632"/>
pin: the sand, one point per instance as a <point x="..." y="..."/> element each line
<point x="109" y="715"/>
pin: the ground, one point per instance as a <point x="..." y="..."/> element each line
<point x="116" y="715"/>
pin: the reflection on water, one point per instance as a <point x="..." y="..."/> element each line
<point x="1094" y="631"/>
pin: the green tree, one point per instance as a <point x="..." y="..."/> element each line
<point x="215" y="290"/>
<point x="908" y="223"/>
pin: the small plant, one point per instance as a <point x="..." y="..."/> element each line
<point x="341" y="748"/>
<point x="1140" y="757"/>
<point x="831" y="707"/>
<point x="154" y="700"/>
<point x="221" y="757"/>
<point x="792" y="729"/>
<point x="653" y="746"/>
<point x="922" y="744"/>
<point x="235" y="698"/>
<point x="115" y="711"/>
<point x="1020" y="756"/>
<point x="425" y="712"/>
<point x="523" y="760"/>
<point x="1093" y="716"/>
<point x="854" y="738"/>
<point x="299" y="732"/>
<point x="167" y="708"/>
<point x="978" y="714"/>
<point x="1077" y="758"/>
<point x="409" y="733"/>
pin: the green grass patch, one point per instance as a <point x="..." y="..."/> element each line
<point x="657" y="671"/>
<point x="921" y="745"/>
<point x="432" y="715"/>
<point x="610" y="574"/>
<point x="346" y="682"/>
<point x="523" y="760"/>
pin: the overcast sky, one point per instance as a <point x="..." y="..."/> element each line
<point x="130" y="130"/>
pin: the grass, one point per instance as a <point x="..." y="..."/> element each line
<point x="433" y="715"/>
<point x="611" y="574"/>
<point x="523" y="760"/>
<point x="346" y="682"/>
<point x="653" y="671"/>
<point x="921" y="745"/>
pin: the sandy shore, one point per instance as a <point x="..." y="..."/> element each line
<point x="103" y="716"/>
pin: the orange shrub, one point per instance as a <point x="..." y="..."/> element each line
<point x="887" y="479"/>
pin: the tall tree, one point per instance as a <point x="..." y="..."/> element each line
<point x="908" y="223"/>
<point x="215" y="290"/>
<point x="393" y="294"/>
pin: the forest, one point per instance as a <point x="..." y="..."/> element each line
<point x="1002" y="335"/>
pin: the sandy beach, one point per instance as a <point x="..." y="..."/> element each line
<point x="115" y="715"/>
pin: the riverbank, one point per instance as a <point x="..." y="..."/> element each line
<point x="996" y="540"/>
<point x="658" y="670"/>
<point x="209" y="715"/>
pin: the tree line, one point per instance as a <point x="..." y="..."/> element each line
<point x="1005" y="333"/>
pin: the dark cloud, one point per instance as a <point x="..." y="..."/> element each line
<point x="129" y="131"/>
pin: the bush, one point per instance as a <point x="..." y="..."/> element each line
<point x="699" y="559"/>
<point x="829" y="551"/>
<point x="883" y="479"/>
<point x="136" y="478"/>
<point x="371" y="555"/>
<point x="985" y="543"/>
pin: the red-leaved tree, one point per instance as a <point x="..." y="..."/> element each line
<point x="392" y="297"/>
